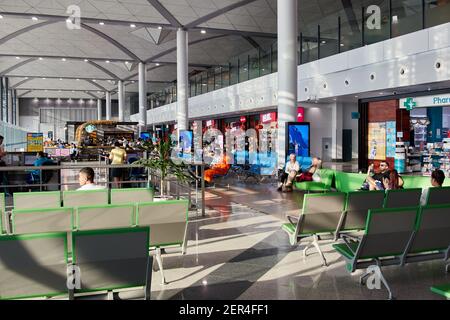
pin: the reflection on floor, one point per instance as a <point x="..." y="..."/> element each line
<point x="236" y="252"/>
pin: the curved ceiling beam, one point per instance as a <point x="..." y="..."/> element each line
<point x="97" y="85"/>
<point x="20" y="83"/>
<point x="18" y="65"/>
<point x="112" y="41"/>
<point x="99" y="67"/>
<point x="165" y="13"/>
<point x="217" y="13"/>
<point x="25" y="93"/>
<point x="24" y="30"/>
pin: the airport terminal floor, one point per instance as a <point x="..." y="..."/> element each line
<point x="188" y="152"/>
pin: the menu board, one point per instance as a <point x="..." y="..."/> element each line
<point x="35" y="142"/>
<point x="377" y="141"/>
<point x="391" y="133"/>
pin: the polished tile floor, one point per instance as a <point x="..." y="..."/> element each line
<point x="238" y="252"/>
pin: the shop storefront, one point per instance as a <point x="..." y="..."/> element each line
<point x="411" y="133"/>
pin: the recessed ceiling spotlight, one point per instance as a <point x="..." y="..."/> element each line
<point x="342" y="45"/>
<point x="157" y="64"/>
<point x="107" y="61"/>
<point x="44" y="78"/>
<point x="86" y="60"/>
<point x="34" y="18"/>
<point x="203" y="31"/>
<point x="159" y="28"/>
<point x="26" y="78"/>
<point x="132" y="25"/>
<point x="323" y="42"/>
<point x="60" y="79"/>
<point x="40" y="58"/>
<point x="17" y="58"/>
<point x="132" y="81"/>
<point x="73" y="91"/>
<point x="63" y="59"/>
<point x="94" y="80"/>
<point x="1" y="17"/>
<point x="381" y="93"/>
<point x="78" y="79"/>
<point x="101" y="23"/>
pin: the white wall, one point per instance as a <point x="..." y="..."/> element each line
<point x="351" y="124"/>
<point x="319" y="117"/>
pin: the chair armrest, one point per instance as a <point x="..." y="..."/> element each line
<point x="348" y="240"/>
<point x="290" y="218"/>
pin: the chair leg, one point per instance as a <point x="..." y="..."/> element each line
<point x="317" y="246"/>
<point x="160" y="265"/>
<point x="306" y="249"/>
<point x="148" y="280"/>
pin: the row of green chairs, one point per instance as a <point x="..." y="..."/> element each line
<point x="52" y="199"/>
<point x="346" y="182"/>
<point x="398" y="237"/>
<point x="167" y="219"/>
<point x="339" y="212"/>
<point x="37" y="265"/>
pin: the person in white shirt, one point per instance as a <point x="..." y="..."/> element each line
<point x="86" y="179"/>
<point x="290" y="172"/>
<point x="437" y="180"/>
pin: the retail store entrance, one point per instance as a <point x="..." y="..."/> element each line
<point x="411" y="133"/>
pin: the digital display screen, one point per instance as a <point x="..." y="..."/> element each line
<point x="186" y="141"/>
<point x="145" y="136"/>
<point x="298" y="141"/>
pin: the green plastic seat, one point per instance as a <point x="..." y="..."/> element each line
<point x="326" y="175"/>
<point x="443" y="290"/>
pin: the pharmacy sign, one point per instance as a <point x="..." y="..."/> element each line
<point x="410" y="104"/>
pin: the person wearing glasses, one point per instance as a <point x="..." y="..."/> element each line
<point x="380" y="179"/>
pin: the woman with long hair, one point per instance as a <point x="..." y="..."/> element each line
<point x="394" y="182"/>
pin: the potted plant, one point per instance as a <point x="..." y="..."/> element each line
<point x="159" y="161"/>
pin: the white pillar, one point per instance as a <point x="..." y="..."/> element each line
<point x="121" y="97"/>
<point x="99" y="109"/>
<point x="108" y="105"/>
<point x="17" y="112"/>
<point x="142" y="97"/>
<point x="337" y="124"/>
<point x="182" y="80"/>
<point x="287" y="70"/>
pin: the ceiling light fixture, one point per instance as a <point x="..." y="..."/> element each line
<point x="107" y="61"/>
<point x="40" y="58"/>
<point x="1" y="17"/>
<point x="157" y="64"/>
<point x="60" y="79"/>
<point x="86" y="60"/>
<point x="17" y="58"/>
<point x="132" y="25"/>
<point x="34" y="18"/>
<point x="203" y="31"/>
<point x="159" y="28"/>
<point x="44" y="78"/>
<point x="101" y="23"/>
<point x="63" y="59"/>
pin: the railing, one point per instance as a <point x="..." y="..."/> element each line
<point x="67" y="176"/>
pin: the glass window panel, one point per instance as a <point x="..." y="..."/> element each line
<point x="406" y="17"/>
<point x="211" y="75"/>
<point x="351" y="36"/>
<point x="254" y="64"/>
<point x="234" y="71"/>
<point x="243" y="68"/>
<point x="225" y="76"/>
<point x="218" y="78"/>
<point x="376" y="30"/>
<point x="198" y="85"/>
<point x="275" y="57"/>
<point x="436" y="12"/>
<point x="204" y="76"/>
<point x="265" y="62"/>
<point x="329" y="36"/>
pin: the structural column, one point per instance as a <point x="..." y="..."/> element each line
<point x="121" y="98"/>
<point x="108" y="105"/>
<point x="99" y="109"/>
<point x="337" y="125"/>
<point x="142" y="97"/>
<point x="182" y="80"/>
<point x="287" y="71"/>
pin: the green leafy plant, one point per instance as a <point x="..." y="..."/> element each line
<point x="159" y="161"/>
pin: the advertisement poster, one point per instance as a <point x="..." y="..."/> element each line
<point x="35" y="142"/>
<point x="391" y="133"/>
<point x="298" y="141"/>
<point x="377" y="141"/>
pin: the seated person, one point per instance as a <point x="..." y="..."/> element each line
<point x="375" y="182"/>
<point x="41" y="160"/>
<point x="290" y="172"/>
<point x="309" y="168"/>
<point x="393" y="182"/>
<point x="437" y="180"/>
<point x="86" y="180"/>
<point x="219" y="169"/>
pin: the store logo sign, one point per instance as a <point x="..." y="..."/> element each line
<point x="410" y="104"/>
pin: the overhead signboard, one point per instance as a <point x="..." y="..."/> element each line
<point x="425" y="102"/>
